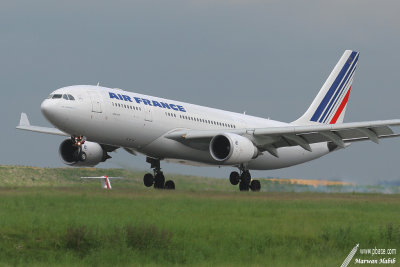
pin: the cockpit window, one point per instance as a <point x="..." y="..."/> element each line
<point x="70" y="97"/>
<point x="65" y="97"/>
<point x="55" y="96"/>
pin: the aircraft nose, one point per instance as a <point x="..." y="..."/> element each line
<point x="45" y="107"/>
<point x="48" y="109"/>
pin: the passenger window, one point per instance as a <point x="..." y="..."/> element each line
<point x="57" y="96"/>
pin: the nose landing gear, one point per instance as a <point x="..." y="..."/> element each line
<point x="78" y="141"/>
<point x="157" y="180"/>
<point x="244" y="180"/>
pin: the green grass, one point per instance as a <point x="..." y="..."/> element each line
<point x="20" y="176"/>
<point x="79" y="224"/>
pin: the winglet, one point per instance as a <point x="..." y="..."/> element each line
<point x="25" y="125"/>
<point x="24" y="121"/>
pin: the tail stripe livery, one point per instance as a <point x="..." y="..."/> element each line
<point x="341" y="107"/>
<point x="340" y="94"/>
<point x="337" y="89"/>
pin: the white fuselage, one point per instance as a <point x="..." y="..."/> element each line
<point x="140" y="122"/>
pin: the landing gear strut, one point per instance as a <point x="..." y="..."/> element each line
<point x="157" y="179"/>
<point x="244" y="180"/>
<point x="78" y="141"/>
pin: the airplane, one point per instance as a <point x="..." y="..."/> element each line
<point x="99" y="120"/>
<point x="105" y="180"/>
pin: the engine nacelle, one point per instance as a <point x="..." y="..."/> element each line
<point x="89" y="155"/>
<point x="230" y="149"/>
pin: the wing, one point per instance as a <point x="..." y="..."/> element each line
<point x="25" y="125"/>
<point x="269" y="139"/>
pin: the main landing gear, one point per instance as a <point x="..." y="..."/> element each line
<point x="157" y="180"/>
<point x="244" y="180"/>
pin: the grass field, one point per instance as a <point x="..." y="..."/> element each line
<point x="50" y="217"/>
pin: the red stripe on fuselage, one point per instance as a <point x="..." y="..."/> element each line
<point x="341" y="107"/>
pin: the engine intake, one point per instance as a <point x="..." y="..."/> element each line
<point x="230" y="149"/>
<point x="88" y="155"/>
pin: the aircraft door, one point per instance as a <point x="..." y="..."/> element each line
<point x="96" y="101"/>
<point x="148" y="116"/>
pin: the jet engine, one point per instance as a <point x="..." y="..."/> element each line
<point x="88" y="154"/>
<point x="231" y="149"/>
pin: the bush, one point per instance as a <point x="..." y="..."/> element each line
<point x="390" y="233"/>
<point x="79" y="239"/>
<point x="147" y="236"/>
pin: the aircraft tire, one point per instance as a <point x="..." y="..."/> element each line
<point x="159" y="181"/>
<point x="255" y="185"/>
<point x="234" y="178"/>
<point x="148" y="179"/>
<point x="170" y="185"/>
<point x="246" y="177"/>
<point x="244" y="186"/>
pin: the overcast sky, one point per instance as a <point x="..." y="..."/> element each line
<point x="268" y="58"/>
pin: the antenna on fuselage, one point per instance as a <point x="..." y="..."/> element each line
<point x="98" y="83"/>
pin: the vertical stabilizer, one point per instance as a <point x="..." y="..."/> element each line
<point x="330" y="104"/>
